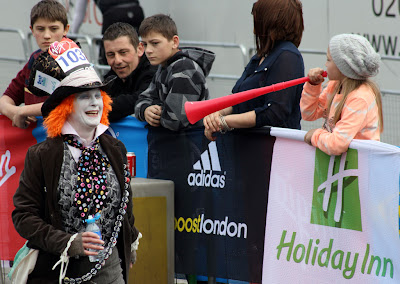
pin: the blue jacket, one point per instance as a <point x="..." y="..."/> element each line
<point x="281" y="108"/>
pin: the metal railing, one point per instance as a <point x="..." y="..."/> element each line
<point x="225" y="45"/>
<point x="26" y="49"/>
<point x="93" y="41"/>
<point x="81" y="38"/>
<point x="98" y="38"/>
<point x="241" y="47"/>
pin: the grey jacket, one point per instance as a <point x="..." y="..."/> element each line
<point x="182" y="79"/>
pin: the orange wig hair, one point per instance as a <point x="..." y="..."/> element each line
<point x="58" y="116"/>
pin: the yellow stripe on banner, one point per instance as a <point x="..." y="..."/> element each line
<point x="150" y="219"/>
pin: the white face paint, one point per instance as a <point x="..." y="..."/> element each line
<point x="88" y="109"/>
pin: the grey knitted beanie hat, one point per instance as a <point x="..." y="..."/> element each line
<point x="354" y="56"/>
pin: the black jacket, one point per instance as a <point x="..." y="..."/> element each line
<point x="125" y="94"/>
<point x="37" y="215"/>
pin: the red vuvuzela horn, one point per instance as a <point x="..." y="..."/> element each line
<point x="197" y="110"/>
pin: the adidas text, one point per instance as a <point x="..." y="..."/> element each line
<point x="206" y="179"/>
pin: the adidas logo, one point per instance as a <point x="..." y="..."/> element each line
<point x="207" y="165"/>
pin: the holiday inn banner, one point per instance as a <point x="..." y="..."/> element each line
<point x="256" y="205"/>
<point x="332" y="217"/>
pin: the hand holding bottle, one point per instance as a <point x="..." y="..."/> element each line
<point x="92" y="237"/>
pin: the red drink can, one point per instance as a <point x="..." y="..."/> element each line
<point x="131" y="163"/>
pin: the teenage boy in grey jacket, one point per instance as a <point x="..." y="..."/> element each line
<point x="181" y="75"/>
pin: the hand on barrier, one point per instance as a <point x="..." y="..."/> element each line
<point x="308" y="136"/>
<point x="152" y="115"/>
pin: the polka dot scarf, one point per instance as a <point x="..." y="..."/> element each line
<point x="91" y="187"/>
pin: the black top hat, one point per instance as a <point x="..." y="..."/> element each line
<point x="61" y="71"/>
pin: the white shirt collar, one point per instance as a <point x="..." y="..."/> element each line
<point x="69" y="129"/>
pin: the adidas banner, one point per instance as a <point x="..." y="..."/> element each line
<point x="221" y="191"/>
<point x="332" y="218"/>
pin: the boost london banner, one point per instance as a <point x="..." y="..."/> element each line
<point x="221" y="191"/>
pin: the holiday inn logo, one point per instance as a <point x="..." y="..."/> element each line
<point x="336" y="198"/>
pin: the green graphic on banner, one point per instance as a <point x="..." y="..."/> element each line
<point x="336" y="198"/>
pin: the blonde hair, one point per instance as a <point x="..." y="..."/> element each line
<point x="54" y="122"/>
<point x="347" y="86"/>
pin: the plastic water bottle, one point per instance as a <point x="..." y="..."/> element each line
<point x="93" y="227"/>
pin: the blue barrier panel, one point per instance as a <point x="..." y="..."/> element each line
<point x="129" y="130"/>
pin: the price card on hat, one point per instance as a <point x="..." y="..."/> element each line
<point x="68" y="55"/>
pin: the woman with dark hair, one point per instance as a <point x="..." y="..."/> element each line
<point x="278" y="29"/>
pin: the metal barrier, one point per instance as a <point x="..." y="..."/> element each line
<point x="25" y="46"/>
<point x="241" y="47"/>
<point x="93" y="41"/>
<point x="101" y="68"/>
<point x="81" y="38"/>
<point x="98" y="38"/>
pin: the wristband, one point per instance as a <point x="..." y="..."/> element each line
<point x="225" y="126"/>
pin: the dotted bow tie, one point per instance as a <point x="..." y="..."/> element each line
<point x="91" y="187"/>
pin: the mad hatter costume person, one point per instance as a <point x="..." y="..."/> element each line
<point x="77" y="172"/>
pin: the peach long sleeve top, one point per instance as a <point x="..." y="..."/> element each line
<point x="359" y="118"/>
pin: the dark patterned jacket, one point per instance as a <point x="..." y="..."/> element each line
<point x="182" y="79"/>
<point x="37" y="215"/>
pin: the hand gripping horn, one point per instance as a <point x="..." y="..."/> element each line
<point x="199" y="109"/>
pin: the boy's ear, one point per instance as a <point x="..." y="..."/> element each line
<point x="140" y="49"/>
<point x="66" y="29"/>
<point x="175" y="39"/>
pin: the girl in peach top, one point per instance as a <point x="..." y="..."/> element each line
<point x="351" y="103"/>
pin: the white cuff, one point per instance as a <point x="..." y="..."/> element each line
<point x="135" y="244"/>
